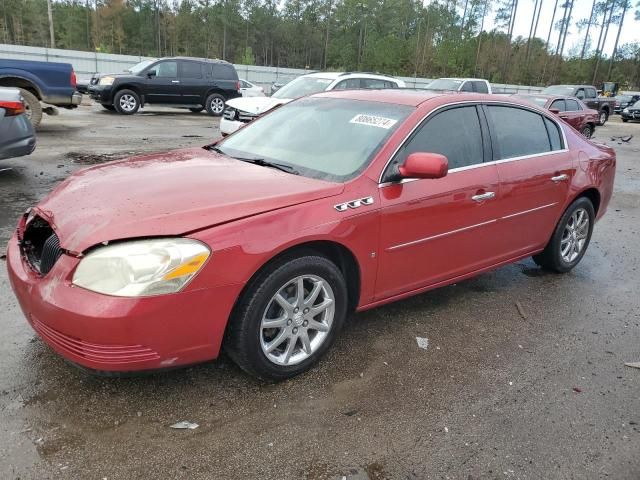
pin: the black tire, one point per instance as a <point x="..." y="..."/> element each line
<point x="587" y="131"/>
<point x="126" y="102"/>
<point x="551" y="257"/>
<point x="625" y="120"/>
<point x="32" y="106"/>
<point x="244" y="334"/>
<point x="196" y="109"/>
<point x="213" y="105"/>
<point x="604" y="116"/>
<point x="106" y="106"/>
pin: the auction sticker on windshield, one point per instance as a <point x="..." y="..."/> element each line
<point x="373" y="121"/>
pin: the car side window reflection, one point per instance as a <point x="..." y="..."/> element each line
<point x="454" y="133"/>
<point x="165" y="69"/>
<point x="559" y="105"/>
<point x="572" y="105"/>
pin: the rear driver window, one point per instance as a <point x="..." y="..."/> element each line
<point x="517" y="132"/>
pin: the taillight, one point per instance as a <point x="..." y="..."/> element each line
<point x="12" y="108"/>
<point x="238" y="86"/>
<point x="73" y="79"/>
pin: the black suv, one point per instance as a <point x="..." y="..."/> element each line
<point x="193" y="83"/>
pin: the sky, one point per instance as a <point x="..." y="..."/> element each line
<point x="581" y="9"/>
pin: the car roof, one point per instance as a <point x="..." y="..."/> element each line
<point x="464" y="79"/>
<point x="197" y="59"/>
<point x="346" y="75"/>
<point x="415" y="97"/>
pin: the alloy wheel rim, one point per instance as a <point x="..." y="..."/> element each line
<point x="586" y="131"/>
<point x="127" y="103"/>
<point x="603" y="117"/>
<point x="297" y="320"/>
<point x="574" y="236"/>
<point x="217" y="105"/>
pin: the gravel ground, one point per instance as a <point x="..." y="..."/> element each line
<point x="523" y="376"/>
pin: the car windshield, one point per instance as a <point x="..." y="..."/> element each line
<point x="444" y="84"/>
<point x="138" y="67"/>
<point x="325" y="138"/>
<point x="566" y="90"/>
<point x="636" y="105"/>
<point x="302" y="86"/>
<point x="540" y="101"/>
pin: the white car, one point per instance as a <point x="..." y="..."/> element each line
<point x="241" y="111"/>
<point x="477" y="85"/>
<point x="248" y="89"/>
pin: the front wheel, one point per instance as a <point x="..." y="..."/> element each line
<point x="215" y="104"/>
<point x="126" y="102"/>
<point x="288" y="317"/>
<point x="625" y="120"/>
<point x="570" y="239"/>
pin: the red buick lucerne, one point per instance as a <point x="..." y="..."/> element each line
<point x="264" y="242"/>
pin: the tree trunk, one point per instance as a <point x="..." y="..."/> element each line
<point x="586" y="37"/>
<point x="615" y="46"/>
<point x="604" y="40"/>
<point x="484" y="14"/>
<point x="52" y="40"/>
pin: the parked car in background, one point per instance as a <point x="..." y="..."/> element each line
<point x="625" y="100"/>
<point x="133" y="70"/>
<point x="185" y="82"/>
<point x="570" y="109"/>
<point x="605" y="106"/>
<point x="631" y="112"/>
<point x="248" y="89"/>
<point x="243" y="110"/>
<point x="275" y="86"/>
<point x="478" y="85"/>
<point x="17" y="136"/>
<point x="47" y="82"/>
<point x="264" y="242"/>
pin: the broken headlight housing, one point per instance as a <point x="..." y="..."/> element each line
<point x="141" y="268"/>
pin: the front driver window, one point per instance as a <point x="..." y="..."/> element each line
<point x="436" y="136"/>
<point x="165" y="70"/>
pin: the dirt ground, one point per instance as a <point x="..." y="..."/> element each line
<point x="523" y="377"/>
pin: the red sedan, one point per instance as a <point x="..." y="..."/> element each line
<point x="264" y="242"/>
<point x="570" y="109"/>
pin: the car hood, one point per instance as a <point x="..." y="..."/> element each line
<point x="256" y="105"/>
<point x="169" y="194"/>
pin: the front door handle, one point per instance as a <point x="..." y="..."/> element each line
<point x="175" y="81"/>
<point x="483" y="196"/>
<point x="559" y="178"/>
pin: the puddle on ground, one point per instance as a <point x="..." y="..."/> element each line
<point x="94" y="158"/>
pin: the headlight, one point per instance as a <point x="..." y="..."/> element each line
<point x="626" y="110"/>
<point x="106" y="80"/>
<point x="141" y="268"/>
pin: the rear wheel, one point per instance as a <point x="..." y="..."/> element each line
<point x="126" y="102"/>
<point x="625" y="120"/>
<point x="215" y="104"/>
<point x="604" y="116"/>
<point x="587" y="131"/>
<point x="288" y="317"/>
<point x="33" y="108"/>
<point x="570" y="238"/>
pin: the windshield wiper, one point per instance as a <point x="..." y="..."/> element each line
<point x="264" y="163"/>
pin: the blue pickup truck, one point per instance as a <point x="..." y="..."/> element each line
<point x="47" y="82"/>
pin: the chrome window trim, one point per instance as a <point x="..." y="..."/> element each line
<point x="474" y="102"/>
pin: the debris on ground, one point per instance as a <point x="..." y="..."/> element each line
<point x="93" y="159"/>
<point x="577" y="389"/>
<point x="185" y="425"/>
<point x="622" y="138"/>
<point x="423" y="342"/>
<point x="521" y="310"/>
<point x="632" y="364"/>
<point x="446" y="430"/>
<point x="350" y="413"/>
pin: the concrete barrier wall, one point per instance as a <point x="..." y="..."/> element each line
<point x="87" y="63"/>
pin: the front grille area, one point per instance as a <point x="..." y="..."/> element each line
<point x="116" y="354"/>
<point x="40" y="245"/>
<point x="232" y="114"/>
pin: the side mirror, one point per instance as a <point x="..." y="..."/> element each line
<point x="151" y="74"/>
<point x="554" y="111"/>
<point x="425" y="165"/>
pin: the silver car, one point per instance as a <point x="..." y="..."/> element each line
<point x="17" y="136"/>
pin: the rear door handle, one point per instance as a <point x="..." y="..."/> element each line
<point x="175" y="81"/>
<point x="483" y="196"/>
<point x="559" y="178"/>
